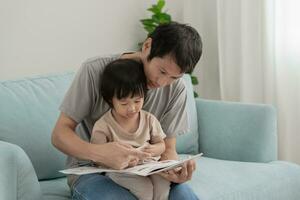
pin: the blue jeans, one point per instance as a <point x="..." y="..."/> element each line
<point x="97" y="186"/>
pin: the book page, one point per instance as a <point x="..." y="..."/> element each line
<point x="145" y="169"/>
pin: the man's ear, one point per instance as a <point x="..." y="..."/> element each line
<point x="146" y="48"/>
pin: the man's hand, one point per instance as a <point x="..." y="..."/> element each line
<point x="182" y="175"/>
<point x="117" y="155"/>
<point x="177" y="176"/>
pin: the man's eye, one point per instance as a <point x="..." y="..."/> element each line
<point x="137" y="101"/>
<point x="162" y="72"/>
<point x="124" y="104"/>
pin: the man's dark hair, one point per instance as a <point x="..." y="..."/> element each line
<point x="182" y="42"/>
<point x="121" y="78"/>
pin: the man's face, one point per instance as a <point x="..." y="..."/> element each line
<point x="161" y="72"/>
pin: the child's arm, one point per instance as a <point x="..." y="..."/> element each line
<point x="155" y="149"/>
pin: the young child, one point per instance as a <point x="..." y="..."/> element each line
<point x="124" y="88"/>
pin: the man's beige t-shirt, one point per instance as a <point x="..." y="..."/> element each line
<point x="107" y="129"/>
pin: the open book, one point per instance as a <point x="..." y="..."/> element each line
<point x="144" y="169"/>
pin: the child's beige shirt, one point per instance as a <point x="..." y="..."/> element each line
<point x="107" y="129"/>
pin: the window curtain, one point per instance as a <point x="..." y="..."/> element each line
<point x="258" y="44"/>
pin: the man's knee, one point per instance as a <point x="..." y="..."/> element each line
<point x="182" y="191"/>
<point x="99" y="187"/>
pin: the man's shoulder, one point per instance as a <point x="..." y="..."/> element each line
<point x="179" y="83"/>
<point x="99" y="62"/>
<point x="178" y="86"/>
<point x="102" y="58"/>
<point x="93" y="67"/>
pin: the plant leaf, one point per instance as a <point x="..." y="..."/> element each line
<point x="194" y="80"/>
<point x="196" y="94"/>
<point x="149" y="29"/>
<point x="160" y="4"/>
<point x="165" y="17"/>
<point x="154" y="9"/>
<point x="148" y="22"/>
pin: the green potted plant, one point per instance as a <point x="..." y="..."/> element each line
<point x="161" y="17"/>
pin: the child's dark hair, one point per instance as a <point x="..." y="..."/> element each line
<point x="180" y="41"/>
<point x="121" y="78"/>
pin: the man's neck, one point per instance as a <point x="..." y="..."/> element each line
<point x="134" y="55"/>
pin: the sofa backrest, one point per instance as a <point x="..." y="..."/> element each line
<point x="188" y="142"/>
<point x="29" y="109"/>
<point x="237" y="131"/>
<point x="28" y="112"/>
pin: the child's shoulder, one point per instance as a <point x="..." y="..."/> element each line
<point x="148" y="116"/>
<point x="146" y="113"/>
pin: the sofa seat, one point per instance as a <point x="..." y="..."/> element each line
<point x="216" y="179"/>
<point x="220" y="179"/>
<point x="55" y="189"/>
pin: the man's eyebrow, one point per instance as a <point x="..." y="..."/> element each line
<point x="174" y="77"/>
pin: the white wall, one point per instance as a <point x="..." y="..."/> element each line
<point x="202" y="15"/>
<point x="40" y="37"/>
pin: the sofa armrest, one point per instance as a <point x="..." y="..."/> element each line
<point x="237" y="131"/>
<point x="17" y="178"/>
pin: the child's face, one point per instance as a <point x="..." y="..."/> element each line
<point x="128" y="107"/>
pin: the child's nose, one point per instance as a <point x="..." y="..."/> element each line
<point x="131" y="108"/>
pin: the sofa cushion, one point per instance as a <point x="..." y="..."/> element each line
<point x="55" y="189"/>
<point x="29" y="109"/>
<point x="220" y="179"/>
<point x="188" y="142"/>
<point x="237" y="131"/>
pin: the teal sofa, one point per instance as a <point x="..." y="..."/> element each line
<point x="239" y="142"/>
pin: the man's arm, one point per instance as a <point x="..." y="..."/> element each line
<point x="185" y="173"/>
<point x="115" y="154"/>
<point x="170" y="152"/>
<point x="65" y="139"/>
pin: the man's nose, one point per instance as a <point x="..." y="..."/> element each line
<point x="163" y="81"/>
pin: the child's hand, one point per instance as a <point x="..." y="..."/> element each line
<point x="147" y="148"/>
<point x="133" y="162"/>
<point x="154" y="149"/>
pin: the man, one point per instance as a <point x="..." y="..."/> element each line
<point x="169" y="52"/>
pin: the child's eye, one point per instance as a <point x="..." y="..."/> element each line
<point x="124" y="104"/>
<point x="137" y="101"/>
